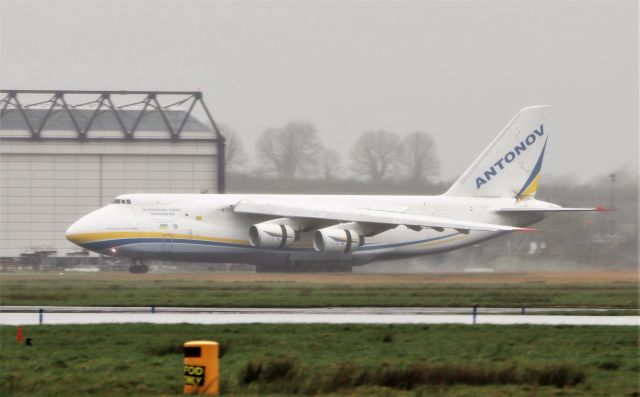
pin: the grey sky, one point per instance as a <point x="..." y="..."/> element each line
<point x="458" y="69"/>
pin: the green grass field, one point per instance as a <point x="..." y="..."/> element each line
<point x="405" y="360"/>
<point x="207" y="290"/>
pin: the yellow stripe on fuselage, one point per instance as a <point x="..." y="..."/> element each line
<point x="82" y="238"/>
<point x="91" y="237"/>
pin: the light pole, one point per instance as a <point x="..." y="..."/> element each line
<point x="613" y="190"/>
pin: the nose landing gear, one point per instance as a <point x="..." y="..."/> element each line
<point x="138" y="267"/>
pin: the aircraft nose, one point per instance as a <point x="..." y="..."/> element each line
<point x="100" y="230"/>
<point x="86" y="228"/>
<point x="77" y="232"/>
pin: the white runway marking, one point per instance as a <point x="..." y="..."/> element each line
<point x="104" y="315"/>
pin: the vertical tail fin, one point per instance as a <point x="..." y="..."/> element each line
<point x="510" y="165"/>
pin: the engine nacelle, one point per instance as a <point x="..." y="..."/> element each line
<point x="337" y="240"/>
<point x="271" y="235"/>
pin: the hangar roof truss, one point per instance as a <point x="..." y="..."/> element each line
<point x="89" y="116"/>
<point x="105" y="110"/>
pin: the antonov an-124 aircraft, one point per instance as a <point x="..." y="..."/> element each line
<point x="495" y="195"/>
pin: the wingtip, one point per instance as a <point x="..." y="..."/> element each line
<point x="601" y="208"/>
<point x="526" y="229"/>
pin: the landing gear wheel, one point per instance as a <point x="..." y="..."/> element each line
<point x="135" y="268"/>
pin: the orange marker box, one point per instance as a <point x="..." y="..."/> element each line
<point x="201" y="368"/>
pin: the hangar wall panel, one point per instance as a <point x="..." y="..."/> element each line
<point x="46" y="185"/>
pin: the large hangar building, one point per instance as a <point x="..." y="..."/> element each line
<point x="64" y="154"/>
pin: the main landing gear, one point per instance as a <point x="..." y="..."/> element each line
<point x="138" y="267"/>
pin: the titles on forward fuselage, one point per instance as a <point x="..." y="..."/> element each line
<point x="509" y="157"/>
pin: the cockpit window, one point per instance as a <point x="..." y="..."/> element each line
<point x="121" y="201"/>
<point x="128" y="201"/>
<point x="116" y="201"/>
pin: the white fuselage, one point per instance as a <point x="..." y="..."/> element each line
<point x="204" y="227"/>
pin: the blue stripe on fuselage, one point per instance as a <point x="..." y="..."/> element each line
<point x="115" y="243"/>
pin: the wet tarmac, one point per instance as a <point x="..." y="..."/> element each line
<point x="29" y="315"/>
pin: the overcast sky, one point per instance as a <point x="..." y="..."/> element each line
<point x="458" y="69"/>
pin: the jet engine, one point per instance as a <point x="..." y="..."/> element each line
<point x="271" y="235"/>
<point x="332" y="239"/>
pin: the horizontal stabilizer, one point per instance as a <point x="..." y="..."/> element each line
<point x="549" y="209"/>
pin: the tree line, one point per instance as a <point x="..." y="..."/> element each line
<point x="295" y="150"/>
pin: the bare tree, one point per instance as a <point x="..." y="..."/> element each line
<point x="420" y="160"/>
<point x="291" y="150"/>
<point x="375" y="154"/>
<point x="331" y="163"/>
<point x="234" y="156"/>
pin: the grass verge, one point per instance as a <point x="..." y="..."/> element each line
<point x="261" y="359"/>
<point x="195" y="290"/>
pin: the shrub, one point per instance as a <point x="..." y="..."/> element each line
<point x="269" y="371"/>
<point x="277" y="369"/>
<point x="251" y="372"/>
<point x="557" y="374"/>
<point x="348" y="375"/>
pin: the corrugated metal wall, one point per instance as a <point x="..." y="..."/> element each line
<point x="46" y="185"/>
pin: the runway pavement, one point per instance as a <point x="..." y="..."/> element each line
<point x="28" y="315"/>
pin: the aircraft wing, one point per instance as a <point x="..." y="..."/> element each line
<point x="363" y="215"/>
